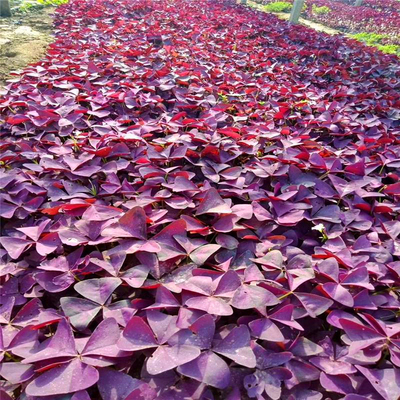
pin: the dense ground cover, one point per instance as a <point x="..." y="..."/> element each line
<point x="375" y="16"/>
<point x="200" y="201"/>
<point x="384" y="5"/>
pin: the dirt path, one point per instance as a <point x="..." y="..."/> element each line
<point x="23" y="40"/>
<point x="306" y="22"/>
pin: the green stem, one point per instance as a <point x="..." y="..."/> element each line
<point x="285" y="295"/>
<point x="10" y="356"/>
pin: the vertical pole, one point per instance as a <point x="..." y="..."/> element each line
<point x="5" y="8"/>
<point x="296" y="11"/>
<point x="358" y="3"/>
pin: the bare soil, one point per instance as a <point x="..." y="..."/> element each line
<point x="24" y="39"/>
<point x="306" y="22"/>
<point x="310" y="24"/>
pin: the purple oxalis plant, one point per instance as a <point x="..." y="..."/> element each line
<point x="199" y="201"/>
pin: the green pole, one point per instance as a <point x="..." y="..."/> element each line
<point x="296" y="11"/>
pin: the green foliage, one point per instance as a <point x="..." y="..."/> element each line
<point x="279" y="6"/>
<point x="390" y="49"/>
<point x="320" y="10"/>
<point x="369" y="38"/>
<point x="223" y="98"/>
<point x="27" y="5"/>
<point x="52" y="2"/>
<point x="375" y="39"/>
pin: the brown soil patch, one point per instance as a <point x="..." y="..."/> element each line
<point x="23" y="40"/>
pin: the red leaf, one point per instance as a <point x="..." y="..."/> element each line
<point x="17" y="119"/>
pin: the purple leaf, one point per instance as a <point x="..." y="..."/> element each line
<point x="268" y="381"/>
<point x="248" y="296"/>
<point x="105" y="335"/>
<point x="332" y="367"/>
<point x="66" y="378"/>
<point x="200" y="255"/>
<point x="48" y="243"/>
<point x="137" y="335"/>
<point x="314" y="304"/>
<point x="209" y="369"/>
<point x="164" y="299"/>
<point x="338" y="293"/>
<point x="236" y="346"/>
<point x="269" y="359"/>
<point x="97" y="290"/>
<point x="361" y="336"/>
<point x="336" y="383"/>
<point x="302" y="372"/>
<point x="304" y="347"/>
<point x="166" y="358"/>
<point x="212" y="305"/>
<point x="15" y="372"/>
<point x="134" y="222"/>
<point x="385" y="381"/>
<point x="62" y="344"/>
<point x="136" y="276"/>
<point x="115" y="385"/>
<point x="266" y="330"/>
<point x="200" y="334"/>
<point x="15" y="246"/>
<point x="79" y="311"/>
<point x="163" y="325"/>
<point x="213" y="203"/>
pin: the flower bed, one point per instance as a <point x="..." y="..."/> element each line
<point x="199" y="201"/>
<point x="370" y="17"/>
<point x="382" y="5"/>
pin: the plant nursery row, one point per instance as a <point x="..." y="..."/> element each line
<point x="199" y="201"/>
<point x="376" y="22"/>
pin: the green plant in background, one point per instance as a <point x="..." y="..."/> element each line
<point x="375" y="39"/>
<point x="279" y="6"/>
<point x="27" y="5"/>
<point x="369" y="38"/>
<point x="390" y="49"/>
<point x="320" y="10"/>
